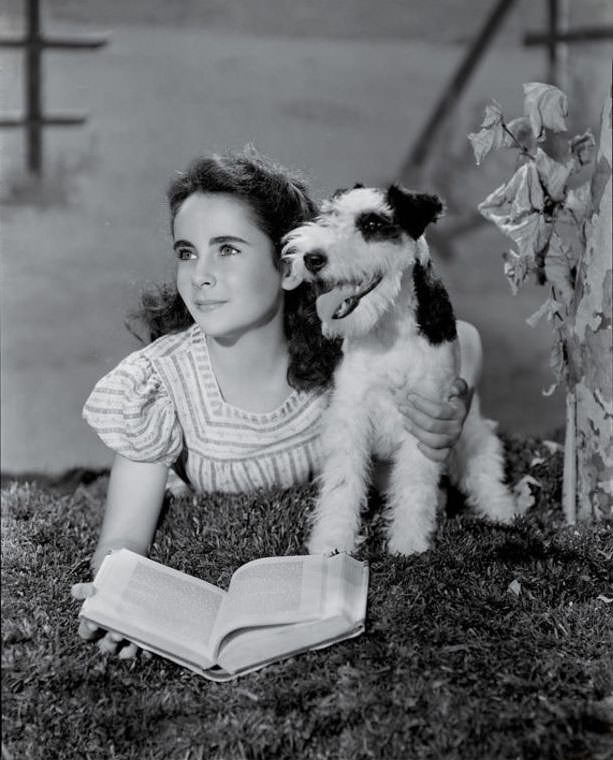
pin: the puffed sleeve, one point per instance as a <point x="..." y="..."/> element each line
<point x="132" y="413"/>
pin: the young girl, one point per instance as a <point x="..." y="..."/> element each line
<point x="231" y="390"/>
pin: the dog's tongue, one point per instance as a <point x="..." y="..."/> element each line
<point x="336" y="303"/>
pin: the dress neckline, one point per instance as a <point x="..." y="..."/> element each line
<point x="198" y="339"/>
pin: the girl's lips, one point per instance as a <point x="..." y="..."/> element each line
<point x="208" y="305"/>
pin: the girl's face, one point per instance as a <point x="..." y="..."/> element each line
<point x="225" y="270"/>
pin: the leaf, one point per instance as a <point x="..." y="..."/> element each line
<point x="553" y="447"/>
<point x="521" y="130"/>
<point x="514" y="587"/>
<point x="544" y="309"/>
<point x="524" y="498"/>
<point x="579" y="202"/>
<point x="605" y="599"/>
<point x="553" y="174"/>
<point x="546" y="107"/>
<point x="515" y="208"/>
<point x="525" y="189"/>
<point x="521" y="194"/>
<point x="516" y="268"/>
<point x="529" y="233"/>
<point x="491" y="135"/>
<point x="493" y="115"/>
<point x="583" y="148"/>
<point x="549" y="309"/>
<point x="482" y="143"/>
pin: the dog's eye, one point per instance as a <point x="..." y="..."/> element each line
<point x="370" y="222"/>
<point x="374" y="226"/>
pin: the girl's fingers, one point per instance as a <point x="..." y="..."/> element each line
<point x="128" y="651"/>
<point x="438" y="410"/>
<point x="434" y="455"/>
<point x="427" y="429"/>
<point x="88" y="630"/>
<point x="114" y="643"/>
<point x="459" y="388"/>
<point x="82" y="591"/>
<point x="110" y="643"/>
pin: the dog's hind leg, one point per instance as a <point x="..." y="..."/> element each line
<point x="476" y="466"/>
<point x="412" y="499"/>
<point x="344" y="479"/>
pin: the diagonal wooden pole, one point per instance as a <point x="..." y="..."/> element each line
<point x="34" y="118"/>
<point x="418" y="156"/>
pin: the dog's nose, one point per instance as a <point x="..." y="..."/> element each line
<point x="315" y="260"/>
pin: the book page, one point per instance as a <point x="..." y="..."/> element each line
<point x="346" y="588"/>
<point x="252" y="649"/>
<point x="341" y="616"/>
<point x="162" y="608"/>
<point x="273" y="591"/>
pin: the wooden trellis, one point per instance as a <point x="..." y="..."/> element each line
<point x="34" y="119"/>
<point x="554" y="39"/>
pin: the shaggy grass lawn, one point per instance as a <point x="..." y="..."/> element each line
<point x="495" y="644"/>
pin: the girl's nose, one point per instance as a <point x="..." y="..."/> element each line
<point x="203" y="274"/>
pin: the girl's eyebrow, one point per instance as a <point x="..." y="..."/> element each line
<point x="227" y="239"/>
<point x="213" y="241"/>
<point x="181" y="244"/>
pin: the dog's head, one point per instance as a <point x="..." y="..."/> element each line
<point x="357" y="251"/>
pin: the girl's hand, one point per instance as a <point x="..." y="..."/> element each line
<point x="108" y="642"/>
<point x="437" y="425"/>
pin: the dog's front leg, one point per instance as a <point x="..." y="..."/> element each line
<point x="412" y="499"/>
<point x="344" y="477"/>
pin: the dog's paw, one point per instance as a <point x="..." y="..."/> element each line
<point x="406" y="545"/>
<point x="501" y="506"/>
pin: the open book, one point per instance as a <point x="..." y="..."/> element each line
<point x="275" y="607"/>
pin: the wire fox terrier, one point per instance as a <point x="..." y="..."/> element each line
<point x="369" y="262"/>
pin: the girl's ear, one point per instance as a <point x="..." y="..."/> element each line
<point x="413" y="211"/>
<point x="292" y="275"/>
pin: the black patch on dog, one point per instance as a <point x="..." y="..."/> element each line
<point x="375" y="226"/>
<point x="413" y="211"/>
<point x="435" y="315"/>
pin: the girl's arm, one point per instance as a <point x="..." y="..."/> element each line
<point x="471" y="356"/>
<point x="133" y="505"/>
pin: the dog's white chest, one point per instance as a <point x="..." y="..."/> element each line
<point x="411" y="364"/>
<point x="375" y="381"/>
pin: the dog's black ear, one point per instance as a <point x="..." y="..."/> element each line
<point x="413" y="211"/>
<point x="342" y="190"/>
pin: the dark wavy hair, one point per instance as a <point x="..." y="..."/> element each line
<point x="279" y="201"/>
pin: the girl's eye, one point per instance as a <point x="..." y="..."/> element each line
<point x="185" y="254"/>
<point x="228" y="250"/>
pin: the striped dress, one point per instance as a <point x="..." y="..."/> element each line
<point x="163" y="404"/>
